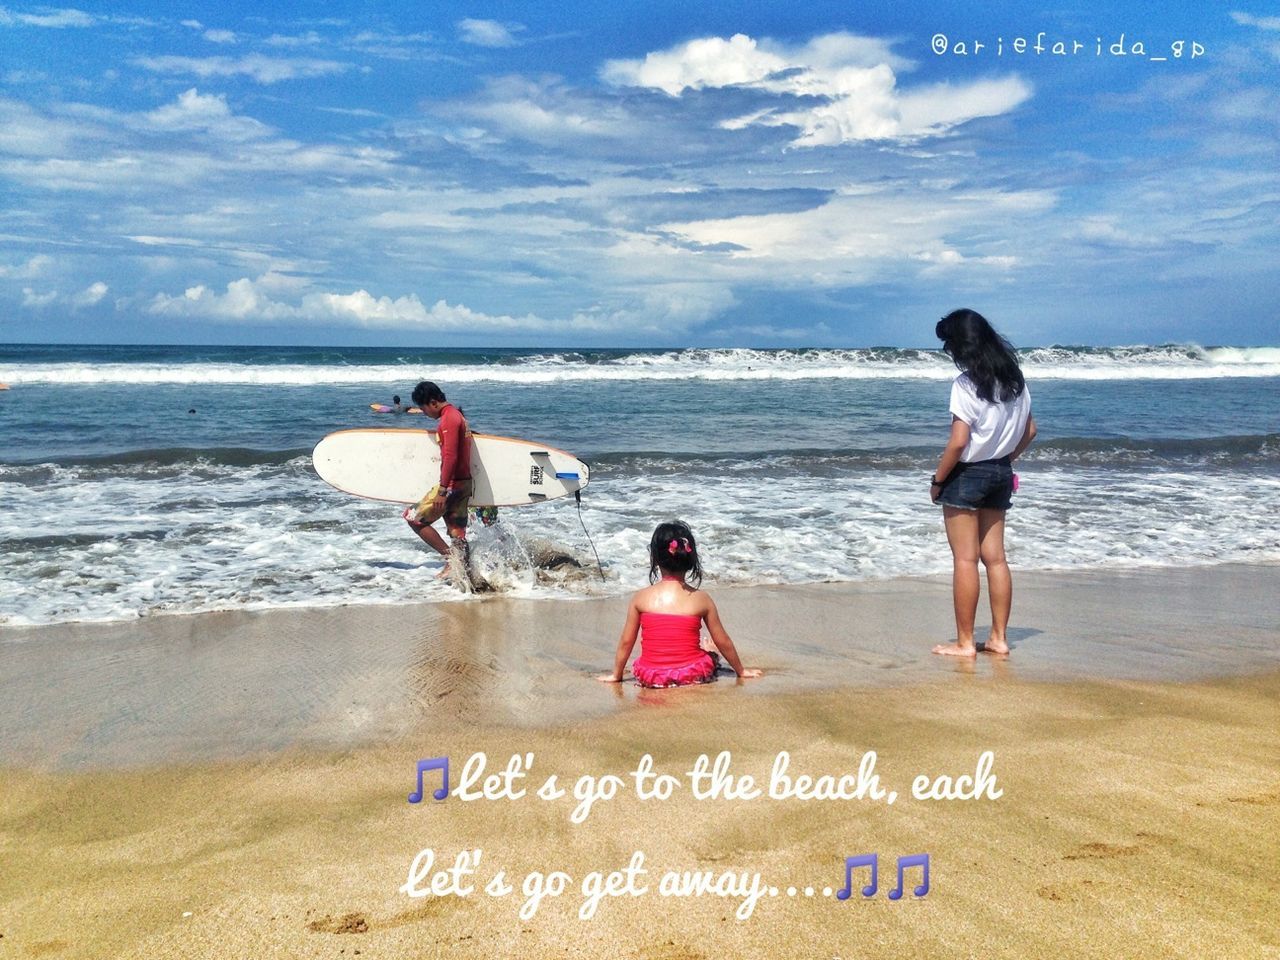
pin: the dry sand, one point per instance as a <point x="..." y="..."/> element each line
<point x="235" y="785"/>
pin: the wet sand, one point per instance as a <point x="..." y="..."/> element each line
<point x="235" y="785"/>
<point x="216" y="686"/>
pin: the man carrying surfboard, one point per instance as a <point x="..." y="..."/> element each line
<point x="448" y="498"/>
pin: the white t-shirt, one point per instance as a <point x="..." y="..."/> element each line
<point x="994" y="428"/>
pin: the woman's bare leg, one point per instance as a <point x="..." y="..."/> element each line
<point x="999" y="580"/>
<point x="962" y="535"/>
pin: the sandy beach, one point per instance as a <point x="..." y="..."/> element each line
<point x="235" y="784"/>
<point x="855" y="292"/>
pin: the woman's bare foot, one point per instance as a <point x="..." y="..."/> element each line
<point x="956" y="650"/>
<point x="998" y="647"/>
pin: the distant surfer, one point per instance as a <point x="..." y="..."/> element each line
<point x="448" y="498"/>
<point x="397" y="406"/>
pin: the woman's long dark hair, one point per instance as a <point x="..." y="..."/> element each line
<point x="673" y="550"/>
<point x="982" y="353"/>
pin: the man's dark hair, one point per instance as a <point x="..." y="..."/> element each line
<point x="427" y="392"/>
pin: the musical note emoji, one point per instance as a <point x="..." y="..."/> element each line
<point x="865" y="860"/>
<point x="916" y="860"/>
<point x="435" y="763"/>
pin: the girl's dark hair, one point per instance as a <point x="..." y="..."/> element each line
<point x="425" y="392"/>
<point x="673" y="550"/>
<point x="982" y="353"/>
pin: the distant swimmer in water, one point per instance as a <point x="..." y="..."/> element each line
<point x="395" y="406"/>
<point x="668" y="616"/>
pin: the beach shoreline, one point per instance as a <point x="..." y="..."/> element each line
<point x="223" y="685"/>
<point x="235" y="784"/>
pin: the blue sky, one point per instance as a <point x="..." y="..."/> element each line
<point x="776" y="174"/>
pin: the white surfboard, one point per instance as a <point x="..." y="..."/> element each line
<point x="401" y="466"/>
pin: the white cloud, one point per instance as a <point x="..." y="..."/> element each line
<point x="252" y="301"/>
<point x="534" y="121"/>
<point x="29" y="270"/>
<point x="865" y="107"/>
<point x="661" y="309"/>
<point x="58" y="19"/>
<point x="265" y="70"/>
<point x="488" y="33"/>
<point x="863" y="235"/>
<point x="137" y="163"/>
<point x="90" y="295"/>
<point x="1104" y="231"/>
<point x="243" y="301"/>
<point x="26" y="133"/>
<point x="814" y="333"/>
<point x="1262" y="23"/>
<point x="308" y="39"/>
<point x="37" y="300"/>
<point x="220" y="36"/>
<point x="193" y="24"/>
<point x="354" y="112"/>
<point x="396" y="46"/>
<point x="709" y="62"/>
<point x="363" y="309"/>
<point x="148" y="240"/>
<point x="550" y="112"/>
<point x="715" y="62"/>
<point x="17" y="77"/>
<point x="209" y="112"/>
<point x="657" y="309"/>
<point x="934" y="109"/>
<point x="855" y="76"/>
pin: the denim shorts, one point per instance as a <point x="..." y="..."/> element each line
<point x="983" y="485"/>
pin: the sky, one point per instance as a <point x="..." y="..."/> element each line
<point x="749" y="174"/>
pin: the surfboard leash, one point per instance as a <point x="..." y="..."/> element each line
<point x="577" y="497"/>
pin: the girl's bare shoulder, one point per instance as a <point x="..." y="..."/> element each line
<point x="645" y="595"/>
<point x="703" y="600"/>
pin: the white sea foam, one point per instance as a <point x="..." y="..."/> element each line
<point x="81" y="545"/>
<point x="1175" y="362"/>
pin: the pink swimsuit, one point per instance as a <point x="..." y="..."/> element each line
<point x="669" y="651"/>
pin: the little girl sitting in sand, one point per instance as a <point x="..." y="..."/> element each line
<point x="670" y="613"/>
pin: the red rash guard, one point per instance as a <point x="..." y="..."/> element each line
<point x="455" y="446"/>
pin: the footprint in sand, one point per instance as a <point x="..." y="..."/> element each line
<point x="1258" y="799"/>
<point x="1059" y="894"/>
<point x="347" y="923"/>
<point x="1102" y="851"/>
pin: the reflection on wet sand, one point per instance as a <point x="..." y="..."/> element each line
<point x="229" y="684"/>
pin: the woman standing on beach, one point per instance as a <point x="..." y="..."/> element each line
<point x="991" y="425"/>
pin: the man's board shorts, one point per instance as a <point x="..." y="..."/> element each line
<point x="455" y="504"/>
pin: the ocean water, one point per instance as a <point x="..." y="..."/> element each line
<point x="791" y="465"/>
